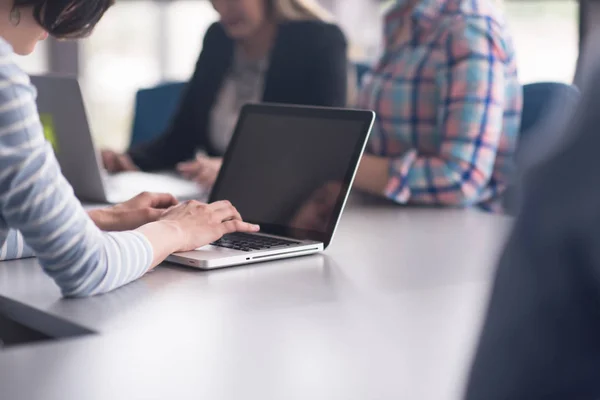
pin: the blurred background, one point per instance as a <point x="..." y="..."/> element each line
<point x="140" y="43"/>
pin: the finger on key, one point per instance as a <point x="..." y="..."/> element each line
<point x="220" y="204"/>
<point x="238" y="226"/>
<point x="227" y="214"/>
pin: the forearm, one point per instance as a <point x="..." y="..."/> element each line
<point x="37" y="201"/>
<point x="164" y="237"/>
<point x="421" y="179"/>
<point x="373" y="174"/>
<point x="122" y="218"/>
<point x="14" y="247"/>
<point x="82" y="260"/>
<point x="103" y="219"/>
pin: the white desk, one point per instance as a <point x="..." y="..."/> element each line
<point x="391" y="311"/>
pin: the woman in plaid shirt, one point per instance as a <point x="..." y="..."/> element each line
<point x="448" y="106"/>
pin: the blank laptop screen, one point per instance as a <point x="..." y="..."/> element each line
<point x="289" y="168"/>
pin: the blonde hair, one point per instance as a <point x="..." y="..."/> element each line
<point x="298" y="10"/>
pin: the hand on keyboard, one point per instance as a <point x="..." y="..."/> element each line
<point x="248" y="242"/>
<point x="200" y="224"/>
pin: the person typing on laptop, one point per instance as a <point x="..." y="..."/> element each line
<point x="296" y="193"/>
<point x="37" y="202"/>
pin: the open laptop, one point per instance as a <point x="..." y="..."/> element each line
<point x="63" y="115"/>
<point x="288" y="169"/>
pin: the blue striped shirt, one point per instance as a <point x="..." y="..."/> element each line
<point x="39" y="213"/>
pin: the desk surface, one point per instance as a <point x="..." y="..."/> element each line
<point x="391" y="311"/>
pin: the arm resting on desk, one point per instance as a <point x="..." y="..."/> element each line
<point x="36" y="200"/>
<point x="14" y="248"/>
<point x="130" y="215"/>
<point x="470" y="128"/>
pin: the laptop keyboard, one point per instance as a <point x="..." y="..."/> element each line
<point x="247" y="242"/>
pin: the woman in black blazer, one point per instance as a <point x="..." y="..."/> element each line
<point x="276" y="51"/>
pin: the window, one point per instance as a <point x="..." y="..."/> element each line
<point x="534" y="25"/>
<point x="362" y="25"/>
<point x="139" y="43"/>
<point x="127" y="52"/>
<point x="121" y="56"/>
<point x="545" y="35"/>
<point x="187" y="22"/>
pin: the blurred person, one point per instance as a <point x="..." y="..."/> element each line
<point x="541" y="335"/>
<point x="448" y="106"/>
<point x="314" y="213"/>
<point x="276" y="51"/>
<point x="38" y="210"/>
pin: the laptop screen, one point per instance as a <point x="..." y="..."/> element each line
<point x="289" y="169"/>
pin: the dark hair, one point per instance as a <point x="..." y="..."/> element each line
<point x="65" y="19"/>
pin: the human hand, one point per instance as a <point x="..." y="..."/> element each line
<point x="203" y="170"/>
<point x="140" y="210"/>
<point x="115" y="162"/>
<point x="200" y="224"/>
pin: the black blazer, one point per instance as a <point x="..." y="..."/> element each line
<point x="308" y="66"/>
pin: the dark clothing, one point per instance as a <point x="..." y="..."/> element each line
<point x="541" y="339"/>
<point x="308" y="65"/>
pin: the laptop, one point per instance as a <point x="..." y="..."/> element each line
<point x="288" y="169"/>
<point x="62" y="113"/>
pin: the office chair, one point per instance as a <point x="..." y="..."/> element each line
<point x="546" y="105"/>
<point x="154" y="108"/>
<point x="538" y="99"/>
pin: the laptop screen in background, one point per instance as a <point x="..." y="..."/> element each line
<point x="291" y="171"/>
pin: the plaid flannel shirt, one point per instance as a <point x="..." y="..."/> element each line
<point x="448" y="104"/>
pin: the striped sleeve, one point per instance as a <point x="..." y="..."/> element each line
<point x="470" y="124"/>
<point x="37" y="201"/>
<point x="14" y="247"/>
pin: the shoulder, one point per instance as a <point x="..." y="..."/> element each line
<point x="17" y="95"/>
<point x="312" y="32"/>
<point x="11" y="75"/>
<point x="479" y="27"/>
<point x="20" y="128"/>
<point x="215" y="34"/>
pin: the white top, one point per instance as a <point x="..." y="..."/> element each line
<point x="244" y="84"/>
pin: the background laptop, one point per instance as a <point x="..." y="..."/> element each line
<point x="63" y="115"/>
<point x="290" y="170"/>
